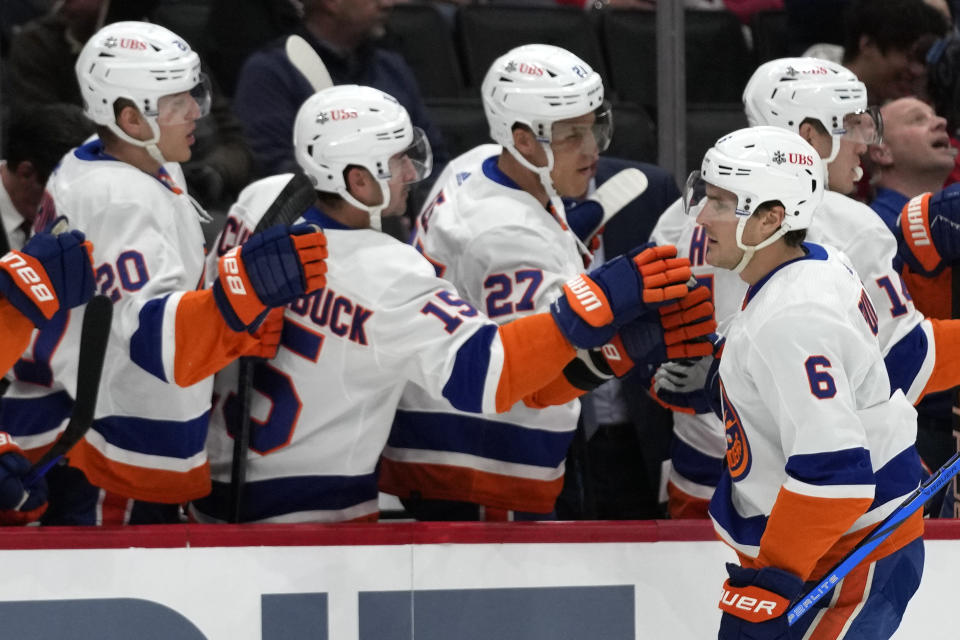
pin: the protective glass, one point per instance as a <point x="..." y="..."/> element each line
<point x="863" y="126"/>
<point x="186" y="106"/>
<point x="414" y="163"/>
<point x="568" y="136"/>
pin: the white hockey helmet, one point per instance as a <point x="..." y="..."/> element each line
<point x="536" y="85"/>
<point x="784" y="92"/>
<point x="350" y="125"/>
<point x="758" y="165"/>
<point x="143" y="63"/>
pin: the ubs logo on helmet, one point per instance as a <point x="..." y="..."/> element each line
<point x="125" y="43"/>
<point x="343" y="114"/>
<point x="804" y="160"/>
<point x="739" y="459"/>
<point x="336" y="114"/>
<point x="526" y="68"/>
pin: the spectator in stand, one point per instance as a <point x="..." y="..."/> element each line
<point x="270" y="90"/>
<point x="943" y="90"/>
<point x="914" y="158"/>
<point x="885" y="43"/>
<point x="34" y="142"/>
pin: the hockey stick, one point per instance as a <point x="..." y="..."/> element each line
<point x="881" y="532"/>
<point x="613" y="195"/>
<point x="306" y="60"/>
<point x="94" y="335"/>
<point x="295" y="198"/>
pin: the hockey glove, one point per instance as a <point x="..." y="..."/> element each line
<point x="929" y="228"/>
<point x="270" y="269"/>
<point x="52" y="272"/>
<point x="755" y="603"/>
<point x="679" y="330"/>
<point x="269" y="333"/>
<point x="691" y="386"/>
<point x="17" y="505"/>
<point x="587" y="217"/>
<point x="593" y="306"/>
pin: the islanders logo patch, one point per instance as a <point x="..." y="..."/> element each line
<point x="738" y="449"/>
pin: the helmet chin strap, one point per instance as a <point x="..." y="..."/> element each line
<point x="543" y="173"/>
<point x="749" y="250"/>
<point x="374" y="210"/>
<point x="834" y="149"/>
<point x="150" y="145"/>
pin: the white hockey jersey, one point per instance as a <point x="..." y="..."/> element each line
<point x="509" y="257"/>
<point x="147" y="438"/>
<point x="323" y="407"/>
<point x="906" y="340"/>
<point x="817" y="448"/>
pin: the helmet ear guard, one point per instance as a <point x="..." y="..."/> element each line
<point x="350" y="125"/>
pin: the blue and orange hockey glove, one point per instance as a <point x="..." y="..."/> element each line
<point x="755" y="603"/>
<point x="595" y="305"/>
<point x="929" y="226"/>
<point x="269" y="270"/>
<point x="52" y="272"/>
<point x="679" y="330"/>
<point x="17" y="505"/>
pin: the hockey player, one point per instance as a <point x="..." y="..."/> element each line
<point x="325" y="403"/>
<point x="818" y="450"/>
<point x="50" y="273"/>
<point x="494" y="226"/>
<point x="142" y="86"/>
<point x="827" y="106"/>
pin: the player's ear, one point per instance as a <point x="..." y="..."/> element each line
<point x="819" y="140"/>
<point x="524" y="141"/>
<point x="130" y="120"/>
<point x="357" y="179"/>
<point x="773" y="216"/>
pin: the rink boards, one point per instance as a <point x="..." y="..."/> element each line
<point x="403" y="581"/>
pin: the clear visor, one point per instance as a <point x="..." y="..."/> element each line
<point x="414" y="163"/>
<point x="695" y="197"/>
<point x="566" y="136"/>
<point x="863" y="127"/>
<point x="694" y="193"/>
<point x="186" y="106"/>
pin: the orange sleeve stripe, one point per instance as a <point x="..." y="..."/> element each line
<point x="534" y="352"/>
<point x="946" y="366"/>
<point x="204" y="342"/>
<point x="929" y="294"/>
<point x="446" y="482"/>
<point x="15" y="332"/>
<point x="915" y="227"/>
<point x="558" y="391"/>
<point x="802" y="529"/>
<point x="683" y="506"/>
<point x="139" y="483"/>
<point x="910" y="530"/>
